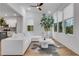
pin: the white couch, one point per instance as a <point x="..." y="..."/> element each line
<point x="36" y="37"/>
<point x="16" y="45"/>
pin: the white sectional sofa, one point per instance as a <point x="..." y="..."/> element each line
<point x="15" y="45"/>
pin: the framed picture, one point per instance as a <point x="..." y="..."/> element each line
<point x="30" y="28"/>
<point x="60" y="26"/>
<point x="68" y="24"/>
<point x="55" y="27"/>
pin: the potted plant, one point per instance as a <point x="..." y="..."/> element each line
<point x="2" y="22"/>
<point x="47" y="22"/>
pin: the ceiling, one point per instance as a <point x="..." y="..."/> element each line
<point x="45" y="7"/>
<point x="6" y="10"/>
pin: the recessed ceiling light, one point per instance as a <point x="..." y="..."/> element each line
<point x="49" y="12"/>
<point x="6" y="15"/>
<point x="29" y="8"/>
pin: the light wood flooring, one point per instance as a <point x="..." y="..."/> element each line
<point x="63" y="51"/>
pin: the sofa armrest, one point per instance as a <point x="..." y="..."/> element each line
<point x="11" y="47"/>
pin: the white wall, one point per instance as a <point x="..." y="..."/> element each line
<point x="68" y="11"/>
<point x="19" y="24"/>
<point x="15" y="21"/>
<point x="11" y="20"/>
<point x="37" y="26"/>
<point x="70" y="40"/>
<point x="30" y="18"/>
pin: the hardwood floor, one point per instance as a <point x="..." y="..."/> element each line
<point x="66" y="52"/>
<point x="62" y="51"/>
<point x="31" y="52"/>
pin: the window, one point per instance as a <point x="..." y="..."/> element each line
<point x="60" y="26"/>
<point x="55" y="16"/>
<point x="55" y="27"/>
<point x="30" y="28"/>
<point x="68" y="24"/>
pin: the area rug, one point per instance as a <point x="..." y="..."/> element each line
<point x="50" y="51"/>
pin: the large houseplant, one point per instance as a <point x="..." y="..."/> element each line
<point x="47" y="22"/>
<point x="2" y="22"/>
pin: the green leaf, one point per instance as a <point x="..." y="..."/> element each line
<point x="47" y="21"/>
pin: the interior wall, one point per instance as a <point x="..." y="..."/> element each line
<point x="11" y="20"/>
<point x="70" y="40"/>
<point x="14" y="21"/>
<point x="19" y="24"/>
<point x="30" y="18"/>
<point x="37" y="27"/>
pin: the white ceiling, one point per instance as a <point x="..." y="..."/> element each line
<point x="45" y="8"/>
<point x="6" y="10"/>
